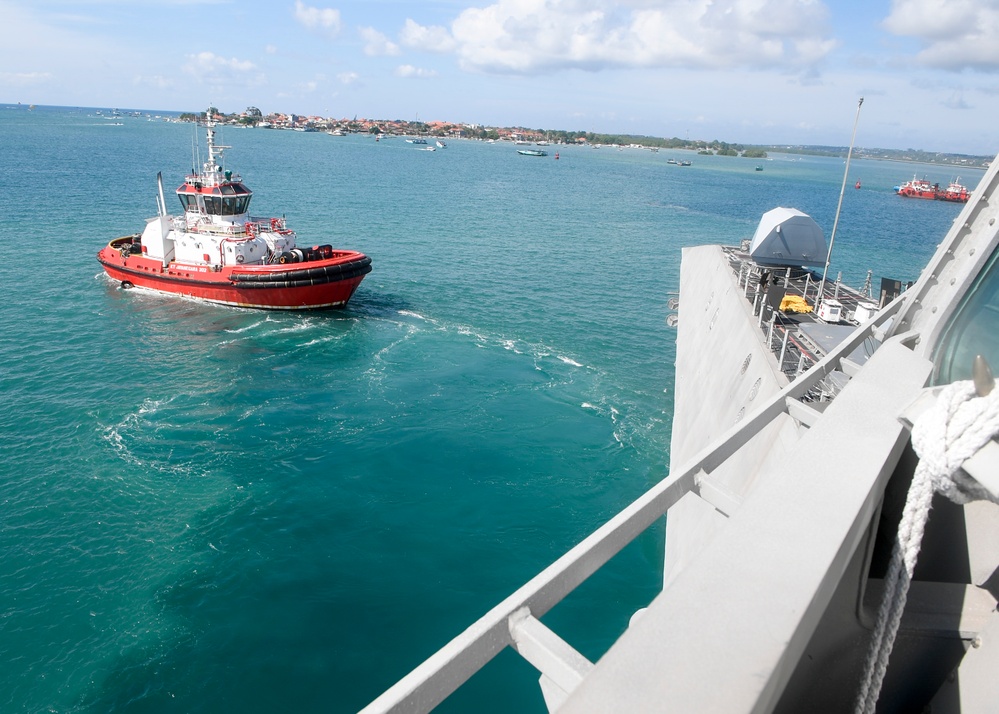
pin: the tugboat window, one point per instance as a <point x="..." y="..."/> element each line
<point x="973" y="330"/>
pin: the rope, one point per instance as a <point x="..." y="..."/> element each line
<point x="944" y="437"/>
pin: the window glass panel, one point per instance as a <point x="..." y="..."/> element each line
<point x="973" y="330"/>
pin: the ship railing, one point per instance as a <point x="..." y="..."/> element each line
<point x="793" y="352"/>
<point x="515" y="621"/>
<point x="268" y="223"/>
<point x="222" y="229"/>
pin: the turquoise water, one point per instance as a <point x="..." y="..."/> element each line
<point x="206" y="509"/>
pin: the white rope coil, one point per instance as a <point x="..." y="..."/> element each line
<point x="944" y="437"/>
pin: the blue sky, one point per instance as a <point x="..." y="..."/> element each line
<point x="749" y="71"/>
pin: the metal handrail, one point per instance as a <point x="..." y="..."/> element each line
<point x="451" y="666"/>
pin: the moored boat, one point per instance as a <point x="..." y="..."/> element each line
<point x="532" y="152"/>
<point x="955" y="191"/>
<point x="921" y="188"/>
<point x="918" y="188"/>
<point x="217" y="252"/>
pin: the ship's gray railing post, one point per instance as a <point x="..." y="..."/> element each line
<point x="514" y="622"/>
<point x="783" y="349"/>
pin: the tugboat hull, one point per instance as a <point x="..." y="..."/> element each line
<point x="320" y="284"/>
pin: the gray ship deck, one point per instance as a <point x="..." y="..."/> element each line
<point x="800" y="339"/>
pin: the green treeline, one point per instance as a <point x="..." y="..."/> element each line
<point x="560" y="136"/>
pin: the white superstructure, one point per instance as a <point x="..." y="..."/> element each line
<point x="215" y="228"/>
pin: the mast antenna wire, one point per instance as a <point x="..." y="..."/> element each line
<point x="839" y="207"/>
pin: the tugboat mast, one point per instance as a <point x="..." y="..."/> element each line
<point x="212" y="168"/>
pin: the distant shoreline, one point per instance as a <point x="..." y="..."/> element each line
<point x="455" y="130"/>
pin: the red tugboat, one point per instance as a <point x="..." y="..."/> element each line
<point x="921" y="188"/>
<point x="217" y="252"/>
<point x="918" y="188"/>
<point x="956" y="192"/>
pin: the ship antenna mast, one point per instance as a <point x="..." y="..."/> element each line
<point x="195" y="149"/>
<point x="846" y="173"/>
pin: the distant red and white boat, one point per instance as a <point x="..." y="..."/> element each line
<point x="921" y="188"/>
<point x="217" y="252"/>
<point x="955" y="191"/>
<point x="918" y="188"/>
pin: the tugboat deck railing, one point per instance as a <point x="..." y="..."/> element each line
<point x="514" y="622"/>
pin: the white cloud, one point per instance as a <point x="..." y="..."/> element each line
<point x="218" y="72"/>
<point x="429" y="39"/>
<point x="271" y="49"/>
<point x="348" y="77"/>
<point x="157" y="82"/>
<point x="956" y="101"/>
<point x="321" y="19"/>
<point x="408" y="70"/>
<point x="211" y="62"/>
<point x="956" y="34"/>
<point x="934" y="20"/>
<point x="24" y="79"/>
<point x="376" y="44"/>
<point x="524" y="36"/>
